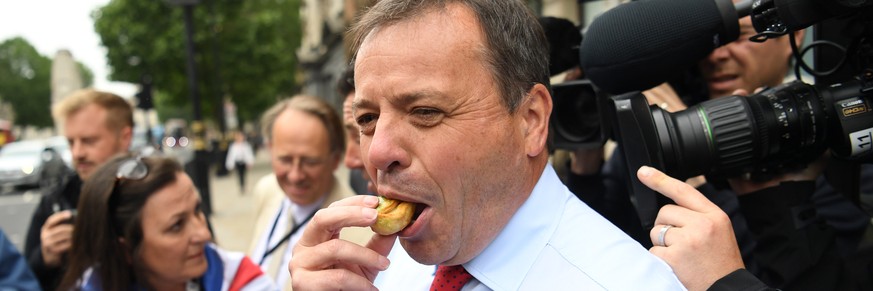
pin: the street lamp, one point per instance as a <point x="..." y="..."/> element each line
<point x="200" y="173"/>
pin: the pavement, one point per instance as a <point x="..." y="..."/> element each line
<point x="233" y="213"/>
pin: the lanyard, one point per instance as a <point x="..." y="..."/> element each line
<point x="286" y="237"/>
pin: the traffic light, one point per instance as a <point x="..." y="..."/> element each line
<point x="144" y="96"/>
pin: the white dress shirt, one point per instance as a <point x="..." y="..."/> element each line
<point x="300" y="213"/>
<point x="556" y="242"/>
<point x="404" y="273"/>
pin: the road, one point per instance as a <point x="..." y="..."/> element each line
<point x="16" y="208"/>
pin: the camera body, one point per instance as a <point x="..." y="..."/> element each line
<point x="758" y="137"/>
<point x="778" y="130"/>
<point x="576" y="120"/>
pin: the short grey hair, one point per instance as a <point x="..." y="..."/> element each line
<point x="313" y="106"/>
<point x="515" y="45"/>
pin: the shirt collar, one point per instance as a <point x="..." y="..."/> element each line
<point x="300" y="212"/>
<point x="517" y="246"/>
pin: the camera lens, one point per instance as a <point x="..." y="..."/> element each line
<point x="761" y="135"/>
<point x="575" y="116"/>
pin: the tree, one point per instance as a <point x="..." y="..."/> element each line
<point x="25" y="82"/>
<point x="86" y="74"/>
<point x="256" y="42"/>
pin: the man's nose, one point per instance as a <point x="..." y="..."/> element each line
<point x="386" y="149"/>
<point x="295" y="173"/>
<point x="76" y="150"/>
<point x="719" y="53"/>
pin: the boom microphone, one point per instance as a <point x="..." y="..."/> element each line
<point x="641" y="44"/>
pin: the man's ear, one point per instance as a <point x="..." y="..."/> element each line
<point x="798" y="37"/>
<point x="535" y="112"/>
<point x="126" y="136"/>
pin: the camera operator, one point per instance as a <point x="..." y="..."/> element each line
<point x="704" y="254"/>
<point x="700" y="247"/>
<point x="747" y="65"/>
<point x="604" y="191"/>
<point x="739" y="65"/>
<point x="603" y="183"/>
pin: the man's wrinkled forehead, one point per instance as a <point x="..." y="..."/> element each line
<point x="360" y="104"/>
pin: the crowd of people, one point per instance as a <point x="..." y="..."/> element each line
<point x="447" y="105"/>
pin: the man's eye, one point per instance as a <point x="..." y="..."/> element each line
<point x="365" y="119"/>
<point x="747" y="33"/>
<point x="367" y="123"/>
<point x="427" y="116"/>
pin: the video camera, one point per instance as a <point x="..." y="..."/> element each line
<point x="775" y="131"/>
<point x="575" y="120"/>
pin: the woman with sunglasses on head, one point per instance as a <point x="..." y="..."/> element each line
<point x="140" y="227"/>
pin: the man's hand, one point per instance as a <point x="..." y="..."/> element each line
<point x="322" y="261"/>
<point x="586" y="161"/>
<point x="809" y="173"/>
<point x="700" y="246"/>
<point x="665" y="97"/>
<point x="56" y="238"/>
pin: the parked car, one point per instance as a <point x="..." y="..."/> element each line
<point x="34" y="163"/>
<point x="62" y="147"/>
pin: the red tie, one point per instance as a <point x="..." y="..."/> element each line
<point x="450" y="278"/>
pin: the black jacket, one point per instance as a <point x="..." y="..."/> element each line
<point x="61" y="198"/>
<point x="783" y="256"/>
<point x="797" y="249"/>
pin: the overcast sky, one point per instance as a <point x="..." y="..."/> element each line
<point x="52" y="25"/>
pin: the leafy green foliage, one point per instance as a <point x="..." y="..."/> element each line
<point x="25" y="82"/>
<point x="248" y="45"/>
<point x="86" y="74"/>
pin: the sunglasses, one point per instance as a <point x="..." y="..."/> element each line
<point x="129" y="170"/>
<point x="134" y="168"/>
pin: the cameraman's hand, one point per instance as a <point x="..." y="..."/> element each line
<point x="589" y="161"/>
<point x="744" y="186"/>
<point x="700" y="246"/>
<point x="586" y="161"/>
<point x="322" y="261"/>
<point x="665" y="97"/>
<point x="810" y="173"/>
<point x="56" y="238"/>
